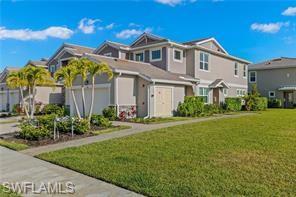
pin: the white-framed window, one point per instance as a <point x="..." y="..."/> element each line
<point x="108" y="54"/>
<point x="225" y="91"/>
<point x="236" y="69"/>
<point x="245" y="71"/>
<point x="252" y="77"/>
<point x="240" y="92"/>
<point x="52" y="68"/>
<point x="155" y="55"/>
<point x="271" y="94"/>
<point x="178" y="55"/>
<point x="204" y="92"/>
<point x="204" y="61"/>
<point x="139" y="57"/>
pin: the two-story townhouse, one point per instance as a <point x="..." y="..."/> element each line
<point x="275" y="78"/>
<point x="154" y="74"/>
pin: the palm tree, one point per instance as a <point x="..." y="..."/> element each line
<point x="36" y="76"/>
<point x="95" y="69"/>
<point x="68" y="74"/>
<point x="81" y="67"/>
<point x="18" y="80"/>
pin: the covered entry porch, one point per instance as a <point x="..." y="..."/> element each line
<point x="289" y="96"/>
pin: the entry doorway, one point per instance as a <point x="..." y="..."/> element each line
<point x="216" y="94"/>
<point x="288" y="99"/>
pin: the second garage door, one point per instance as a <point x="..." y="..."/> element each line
<point x="163" y="101"/>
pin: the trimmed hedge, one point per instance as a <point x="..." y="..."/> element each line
<point x="110" y="113"/>
<point x="30" y="132"/>
<point x="191" y="107"/>
<point x="53" y="109"/>
<point x="100" y="121"/>
<point x="275" y="103"/>
<point x="233" y="104"/>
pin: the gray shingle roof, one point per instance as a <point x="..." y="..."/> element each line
<point x="38" y="63"/>
<point x="144" y="69"/>
<point x="282" y="62"/>
<point x="79" y="49"/>
<point x="192" y="42"/>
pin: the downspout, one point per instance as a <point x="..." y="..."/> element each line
<point x="148" y="102"/>
<point x="116" y="94"/>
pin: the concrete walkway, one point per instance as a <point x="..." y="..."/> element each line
<point x="9" y="125"/>
<point x="136" y="128"/>
<point x="21" y="168"/>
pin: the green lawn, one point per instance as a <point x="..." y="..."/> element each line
<point x="251" y="155"/>
<point x="13" y="145"/>
<point x="111" y="129"/>
<point x="158" y="120"/>
<point x="4" y="193"/>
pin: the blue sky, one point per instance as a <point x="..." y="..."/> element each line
<point x="254" y="30"/>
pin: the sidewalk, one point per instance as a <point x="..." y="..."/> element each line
<point x="136" y="128"/>
<point x="18" y="167"/>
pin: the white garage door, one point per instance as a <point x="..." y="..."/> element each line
<point x="163" y="101"/>
<point x="14" y="99"/>
<point x="3" y="101"/>
<point x="101" y="100"/>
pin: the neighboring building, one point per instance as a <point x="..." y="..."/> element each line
<point x="275" y="78"/>
<point x="8" y="97"/>
<point x="153" y="74"/>
<point x="45" y="94"/>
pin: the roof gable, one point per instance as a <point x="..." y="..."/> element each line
<point x="146" y="39"/>
<point x="210" y="43"/>
<point x="277" y="63"/>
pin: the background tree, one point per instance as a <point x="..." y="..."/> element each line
<point x="95" y="69"/>
<point x="18" y="80"/>
<point x="68" y="74"/>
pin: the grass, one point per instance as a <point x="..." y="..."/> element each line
<point x="13" y="145"/>
<point x="251" y="156"/>
<point x="111" y="129"/>
<point x="4" y="193"/>
<point x="8" y="121"/>
<point x="158" y="120"/>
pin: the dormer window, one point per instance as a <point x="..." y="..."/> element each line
<point x="155" y="55"/>
<point x="139" y="57"/>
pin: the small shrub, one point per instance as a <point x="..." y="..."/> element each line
<point x="46" y="121"/>
<point x="233" y="104"/>
<point x="274" y="103"/>
<point x="110" y="113"/>
<point x="53" y="109"/>
<point x="81" y="126"/>
<point x="255" y="103"/>
<point x="191" y="107"/>
<point x="211" y="109"/>
<point x="100" y="121"/>
<point x="31" y="132"/>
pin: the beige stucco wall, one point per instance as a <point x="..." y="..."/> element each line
<point x="47" y="95"/>
<point x="176" y="66"/>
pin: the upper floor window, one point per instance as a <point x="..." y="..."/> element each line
<point x="108" y="54"/>
<point x="155" y="55"/>
<point x="240" y="92"/>
<point x="236" y="69"/>
<point x="245" y="71"/>
<point x="139" y="57"/>
<point x="204" y="92"/>
<point x="178" y="55"/>
<point x="252" y="76"/>
<point x="204" y="61"/>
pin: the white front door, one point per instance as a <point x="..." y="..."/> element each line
<point x="163" y="101"/>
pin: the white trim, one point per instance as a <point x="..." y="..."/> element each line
<point x="250" y="77"/>
<point x="241" y="92"/>
<point x="168" y="59"/>
<point x="105" y="85"/>
<point x="273" y="94"/>
<point x="208" y="82"/>
<point x="215" y="41"/>
<point x="181" y="55"/>
<point x="171" y="82"/>
<point x="150" y="54"/>
<point x="172" y="99"/>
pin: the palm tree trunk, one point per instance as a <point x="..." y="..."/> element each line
<point x="83" y="99"/>
<point x="30" y="109"/>
<point x="75" y="104"/>
<point x="92" y="98"/>
<point x="23" y="103"/>
<point x="33" y="102"/>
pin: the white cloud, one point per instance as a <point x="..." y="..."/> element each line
<point x="28" y="34"/>
<point x="173" y="3"/>
<point x="290" y="11"/>
<point x="110" y="26"/>
<point x="270" y="27"/>
<point x="87" y="25"/>
<point x="129" y="33"/>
